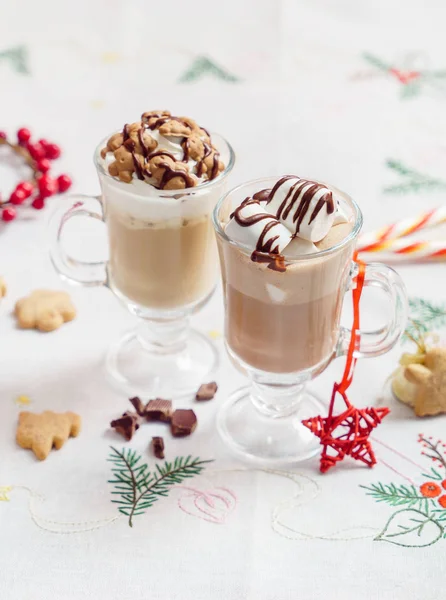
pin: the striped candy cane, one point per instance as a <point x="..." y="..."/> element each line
<point x="400" y="250"/>
<point x="369" y="241"/>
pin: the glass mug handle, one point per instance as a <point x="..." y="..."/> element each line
<point x="380" y="341"/>
<point x="75" y="271"/>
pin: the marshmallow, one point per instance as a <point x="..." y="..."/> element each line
<point x="250" y="235"/>
<point x="298" y="247"/>
<point x="286" y="202"/>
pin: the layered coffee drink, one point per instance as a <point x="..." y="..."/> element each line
<point x="164" y="175"/>
<point x="285" y="275"/>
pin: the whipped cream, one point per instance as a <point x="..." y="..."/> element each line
<point x="286" y="221"/>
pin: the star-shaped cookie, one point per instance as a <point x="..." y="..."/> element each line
<point x="430" y="381"/>
<point x="44" y="310"/>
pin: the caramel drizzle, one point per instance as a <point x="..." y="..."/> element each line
<point x="302" y="208"/>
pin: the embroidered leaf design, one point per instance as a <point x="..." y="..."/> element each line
<point x="138" y="488"/>
<point x="396" y="495"/>
<point x="410" y="90"/>
<point x="411" y="528"/>
<point x="376" y="62"/>
<point x="434" y="474"/>
<point x="415" y="181"/>
<point x="202" y="66"/>
<point x="424" y="317"/>
<point x="18" y="58"/>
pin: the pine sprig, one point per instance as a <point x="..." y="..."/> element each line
<point x="138" y="488"/>
<point x="417" y="181"/>
<point x="425" y="316"/>
<point x="376" y="62"/>
<point x="396" y="495"/>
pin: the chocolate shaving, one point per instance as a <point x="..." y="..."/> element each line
<point x="158" y="446"/>
<point x="158" y="410"/>
<point x="183" y="423"/>
<point x="138" y="405"/>
<point x="126" y="425"/>
<point x="206" y="391"/>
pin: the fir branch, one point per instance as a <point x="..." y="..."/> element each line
<point x="138" y="488"/>
<point x="424" y="318"/>
<point x="396" y="496"/>
<point x="401" y="169"/>
<point x="376" y="62"/>
<point x="418" y="181"/>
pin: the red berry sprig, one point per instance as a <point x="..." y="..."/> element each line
<point x="37" y="155"/>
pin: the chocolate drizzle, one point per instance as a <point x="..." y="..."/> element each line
<point x="170" y="173"/>
<point x="263" y="195"/>
<point x="265" y="251"/>
<point x="161" y="153"/>
<point x="295" y="193"/>
<point x="138" y="168"/>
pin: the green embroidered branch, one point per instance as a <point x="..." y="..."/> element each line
<point x="138" y="488"/>
<point x="397" y="496"/>
<point x="424" y="318"/>
<point x="202" y="65"/>
<point x="376" y="62"/>
<point x="417" y="182"/>
<point x="433" y="447"/>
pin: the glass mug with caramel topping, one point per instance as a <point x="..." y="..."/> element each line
<point x="160" y="179"/>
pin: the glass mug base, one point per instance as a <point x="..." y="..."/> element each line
<point x="256" y="437"/>
<point x="141" y="370"/>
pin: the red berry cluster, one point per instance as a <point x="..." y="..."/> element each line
<point x="38" y="155"/>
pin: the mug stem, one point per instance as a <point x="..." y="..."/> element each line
<point x="276" y="400"/>
<point x="164" y="336"/>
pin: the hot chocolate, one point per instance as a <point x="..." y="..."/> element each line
<point x="283" y="293"/>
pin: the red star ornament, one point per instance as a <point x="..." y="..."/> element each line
<point x="346" y="434"/>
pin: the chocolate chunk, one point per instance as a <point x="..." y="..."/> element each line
<point x="206" y="391"/>
<point x="158" y="410"/>
<point x="126" y="425"/>
<point x="184" y="422"/>
<point x="158" y="446"/>
<point x="138" y="405"/>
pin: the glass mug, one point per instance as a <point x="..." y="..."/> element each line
<point x="162" y="265"/>
<point x="282" y="329"/>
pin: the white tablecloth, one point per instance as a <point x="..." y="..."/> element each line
<point x="304" y="87"/>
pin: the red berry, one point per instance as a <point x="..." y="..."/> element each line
<point x="23" y="135"/>
<point x="36" y="151"/>
<point x="43" y="165"/>
<point x="47" y="186"/>
<point x="27" y="187"/>
<point x="18" y="196"/>
<point x="38" y="203"/>
<point x="8" y="214"/>
<point x="52" y="151"/>
<point x="3" y="135"/>
<point x="64" y="183"/>
<point x="43" y="142"/>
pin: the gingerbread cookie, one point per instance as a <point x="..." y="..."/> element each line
<point x="44" y="310"/>
<point x="429" y="379"/>
<point x="184" y="153"/>
<point x="3" y="288"/>
<point x="41" y="432"/>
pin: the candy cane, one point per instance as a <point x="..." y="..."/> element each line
<point x="399" y="250"/>
<point x="368" y="241"/>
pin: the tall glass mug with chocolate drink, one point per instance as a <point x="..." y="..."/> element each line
<point x="286" y="250"/>
<point x="160" y="178"/>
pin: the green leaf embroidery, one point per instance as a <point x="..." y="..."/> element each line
<point x="411" y="528"/>
<point x="410" y="90"/>
<point x="138" y="488"/>
<point x="18" y="58"/>
<point x="397" y="496"/>
<point x="424" y="317"/>
<point x="415" y="181"/>
<point x="376" y="62"/>
<point x="202" y="66"/>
